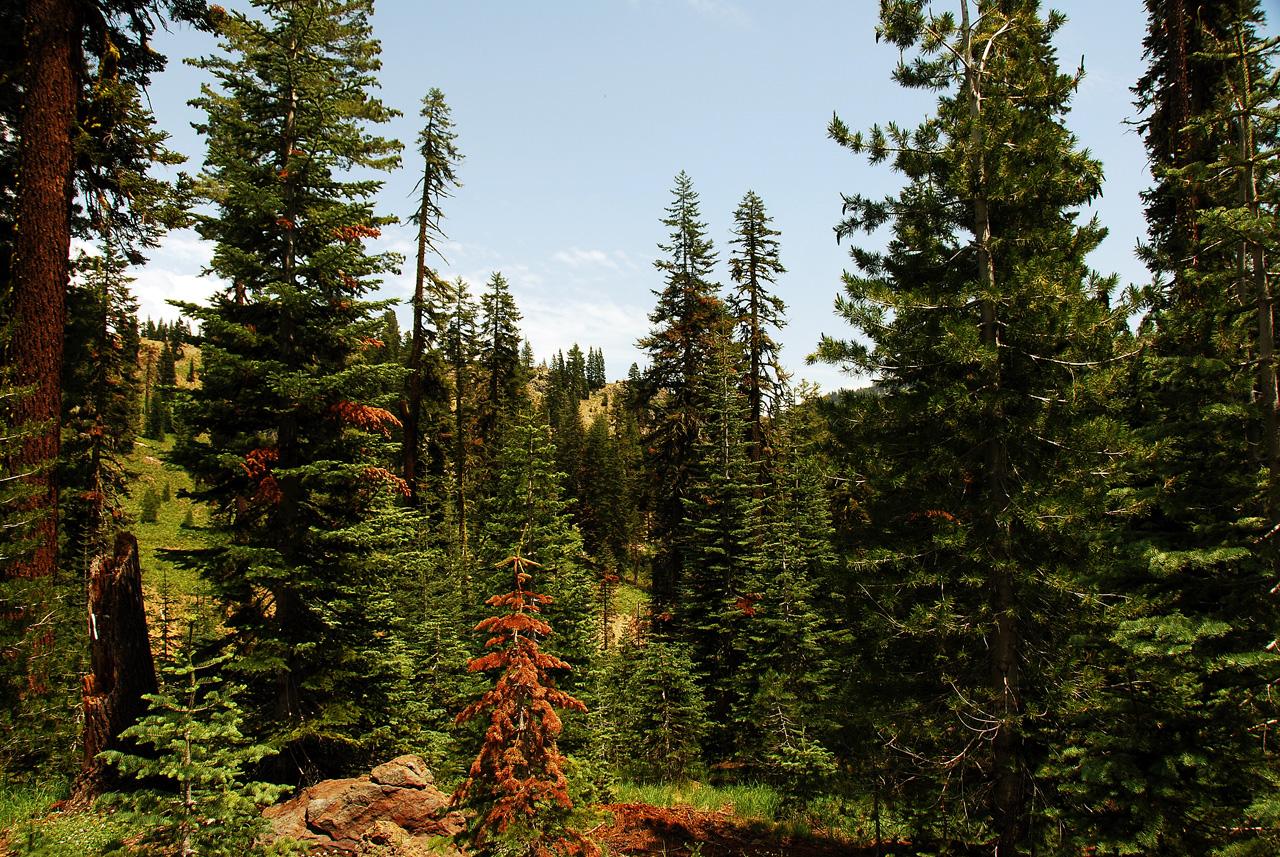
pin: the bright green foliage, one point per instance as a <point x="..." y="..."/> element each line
<point x="754" y="266"/>
<point x="790" y="657"/>
<point x="285" y="434"/>
<point x="194" y="730"/>
<point x="655" y="711"/>
<point x="720" y="583"/>
<point x="686" y="323"/>
<point x="525" y="507"/>
<point x="990" y="339"/>
<point x="149" y="510"/>
<point x="1174" y="758"/>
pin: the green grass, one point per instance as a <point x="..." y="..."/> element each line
<point x="763" y="809"/>
<point x="171" y="589"/>
<point x="30" y="829"/>
<point x="627" y="598"/>
<point x="749" y="802"/>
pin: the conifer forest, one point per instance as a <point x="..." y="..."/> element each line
<point x="1015" y="590"/>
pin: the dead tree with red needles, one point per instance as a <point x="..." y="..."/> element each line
<point x="517" y="782"/>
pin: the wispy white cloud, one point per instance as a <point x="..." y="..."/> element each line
<point x="576" y="257"/>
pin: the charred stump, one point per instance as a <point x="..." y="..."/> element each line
<point x="121" y="665"/>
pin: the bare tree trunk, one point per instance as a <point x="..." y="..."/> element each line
<point x="43" y="244"/>
<point x="122" y="668"/>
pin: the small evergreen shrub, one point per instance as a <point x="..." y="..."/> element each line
<point x="195" y="730"/>
<point x="150" y="511"/>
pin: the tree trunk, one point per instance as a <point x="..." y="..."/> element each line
<point x="1007" y="784"/>
<point x="43" y="243"/>
<point x="413" y="415"/>
<point x="121" y="666"/>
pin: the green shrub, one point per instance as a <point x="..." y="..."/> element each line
<point x="150" y="511"/>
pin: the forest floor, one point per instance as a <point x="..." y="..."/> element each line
<point x="641" y="830"/>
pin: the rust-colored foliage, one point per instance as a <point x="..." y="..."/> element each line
<point x="363" y="417"/>
<point x="349" y="234"/>
<point x="381" y="474"/>
<point x="519" y="766"/>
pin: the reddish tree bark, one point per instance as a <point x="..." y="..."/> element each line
<point x="121" y="665"/>
<point x="43" y="244"/>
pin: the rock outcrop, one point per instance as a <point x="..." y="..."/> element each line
<point x="396" y="806"/>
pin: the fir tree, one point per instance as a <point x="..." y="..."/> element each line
<point x="720" y="583"/>
<point x="1187" y="652"/>
<point x="754" y="266"/>
<point x="100" y="403"/>
<point x="441" y="158"/>
<point x="656" y="711"/>
<point x="461" y="346"/>
<point x="517" y="782"/>
<point x="791" y="656"/>
<point x="685" y="322"/>
<point x="596" y="377"/>
<point x="526" y="506"/>
<point x="990" y="339"/>
<point x="282" y="431"/>
<point x="194" y="730"/>
<point x="499" y="361"/>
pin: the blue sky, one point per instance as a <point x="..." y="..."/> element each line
<point x="576" y="115"/>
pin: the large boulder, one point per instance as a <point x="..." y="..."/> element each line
<point x="396" y="805"/>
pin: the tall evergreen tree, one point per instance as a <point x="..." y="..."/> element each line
<point x="754" y="266"/>
<point x="441" y="158"/>
<point x="76" y="161"/>
<point x="686" y="322"/>
<point x="281" y="431"/>
<point x="461" y="348"/>
<point x="720" y="582"/>
<point x="988" y="334"/>
<point x="1179" y="767"/>
<point x="526" y="507"/>
<point x="499" y="361"/>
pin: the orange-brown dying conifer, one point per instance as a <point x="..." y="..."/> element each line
<point x="519" y="765"/>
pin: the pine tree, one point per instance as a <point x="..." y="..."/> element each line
<point x="75" y="162"/>
<point x="685" y="322"/>
<point x="596" y="377"/>
<point x="989" y="337"/>
<point x="525" y="506"/>
<point x="441" y="158"/>
<point x="791" y="656"/>
<point x="754" y="266"/>
<point x="656" y="711"/>
<point x="282" y="433"/>
<point x="517" y="782"/>
<point x="575" y="367"/>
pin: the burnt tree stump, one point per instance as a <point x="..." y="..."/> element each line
<point x="121" y="665"/>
